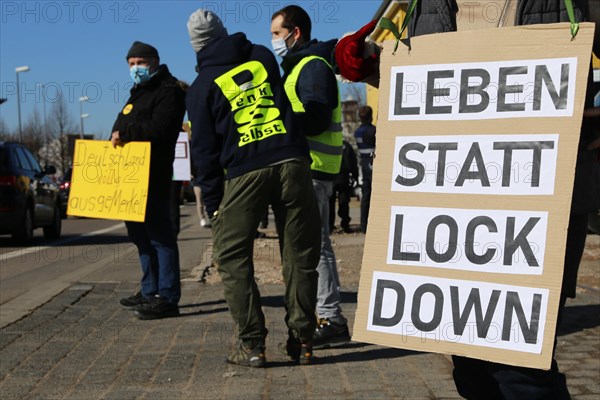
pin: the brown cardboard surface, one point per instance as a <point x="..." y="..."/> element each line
<point x="434" y="52"/>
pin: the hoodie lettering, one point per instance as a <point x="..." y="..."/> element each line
<point x="251" y="98"/>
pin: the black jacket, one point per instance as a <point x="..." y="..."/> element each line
<point x="433" y="16"/>
<point x="586" y="187"/>
<point x="233" y="137"/>
<point x="348" y="168"/>
<point x="548" y="11"/>
<point x="157" y="107"/>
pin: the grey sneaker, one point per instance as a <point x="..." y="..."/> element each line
<point x="246" y="356"/>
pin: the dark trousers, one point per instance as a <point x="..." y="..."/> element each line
<point x="157" y="249"/>
<point x="288" y="188"/>
<point x="478" y="379"/>
<point x="366" y="166"/>
<point x="174" y="210"/>
<point x="343" y="192"/>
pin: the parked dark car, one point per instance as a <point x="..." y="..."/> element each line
<point x="29" y="199"/>
<point x="64" y="185"/>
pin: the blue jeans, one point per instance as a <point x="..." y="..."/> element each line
<point x="328" y="290"/>
<point x="157" y="249"/>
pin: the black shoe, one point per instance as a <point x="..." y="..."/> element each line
<point x="157" y="308"/>
<point x="347" y="229"/>
<point x="299" y="352"/>
<point x="330" y="334"/>
<point x="243" y="354"/>
<point x="134" y="301"/>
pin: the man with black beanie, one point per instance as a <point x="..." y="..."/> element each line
<point x="153" y="113"/>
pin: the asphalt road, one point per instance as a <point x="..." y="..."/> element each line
<point x="88" y="248"/>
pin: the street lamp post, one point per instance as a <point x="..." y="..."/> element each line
<point x="41" y="85"/>
<point x="81" y="114"/>
<point x="24" y="68"/>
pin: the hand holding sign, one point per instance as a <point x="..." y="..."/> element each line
<point x="115" y="139"/>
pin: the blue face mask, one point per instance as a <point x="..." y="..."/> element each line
<point x="139" y="73"/>
<point x="279" y="46"/>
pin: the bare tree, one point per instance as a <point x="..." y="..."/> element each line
<point x="60" y="125"/>
<point x="5" y="132"/>
<point x="33" y="132"/>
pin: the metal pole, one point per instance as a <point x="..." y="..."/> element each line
<point x="19" y="108"/>
<point x="81" y="117"/>
<point x="45" y="122"/>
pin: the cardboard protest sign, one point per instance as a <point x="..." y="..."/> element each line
<point x="476" y="147"/>
<point x="110" y="183"/>
<point x="181" y="164"/>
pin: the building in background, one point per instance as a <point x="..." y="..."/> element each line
<point x="350" y="120"/>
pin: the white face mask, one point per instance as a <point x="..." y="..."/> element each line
<point x="279" y="46"/>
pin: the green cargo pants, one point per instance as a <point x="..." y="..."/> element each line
<point x="288" y="188"/>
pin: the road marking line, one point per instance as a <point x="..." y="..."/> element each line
<point x="28" y="250"/>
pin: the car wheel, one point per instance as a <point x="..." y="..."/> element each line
<point x="24" y="232"/>
<point x="52" y="231"/>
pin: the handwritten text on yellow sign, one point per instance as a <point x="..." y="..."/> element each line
<point x="109" y="182"/>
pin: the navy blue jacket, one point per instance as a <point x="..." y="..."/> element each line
<point x="242" y="120"/>
<point x="317" y="86"/>
<point x="365" y="141"/>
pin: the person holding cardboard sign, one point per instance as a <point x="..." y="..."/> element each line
<point x="154" y="114"/>
<point x="477" y="379"/>
<point x="248" y="154"/>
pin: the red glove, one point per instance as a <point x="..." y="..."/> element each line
<point x="350" y="55"/>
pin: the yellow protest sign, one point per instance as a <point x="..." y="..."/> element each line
<point x="110" y="183"/>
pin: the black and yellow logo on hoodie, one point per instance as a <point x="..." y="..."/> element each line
<point x="255" y="113"/>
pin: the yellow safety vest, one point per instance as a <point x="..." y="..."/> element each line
<point x="325" y="148"/>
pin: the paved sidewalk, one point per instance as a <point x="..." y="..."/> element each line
<point x="83" y="345"/>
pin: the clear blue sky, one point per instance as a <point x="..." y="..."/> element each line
<point x="79" y="47"/>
